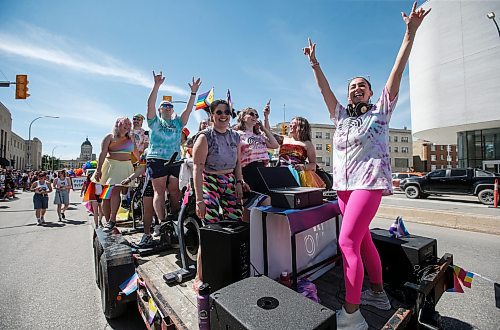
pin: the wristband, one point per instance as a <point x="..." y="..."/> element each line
<point x="315" y="64"/>
<point x="239" y="181"/>
<point x="193" y="93"/>
<point x="200" y="202"/>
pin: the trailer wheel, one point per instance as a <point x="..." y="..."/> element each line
<point x="192" y="239"/>
<point x="485" y="196"/>
<point x="110" y="306"/>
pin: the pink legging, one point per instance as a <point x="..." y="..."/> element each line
<point x="358" y="208"/>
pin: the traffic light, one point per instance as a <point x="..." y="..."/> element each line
<point x="22" y="86"/>
<point x="283" y="129"/>
<point x="328" y="147"/>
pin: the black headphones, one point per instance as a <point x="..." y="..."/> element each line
<point x="359" y="109"/>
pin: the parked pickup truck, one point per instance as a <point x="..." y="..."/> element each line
<point x="452" y="181"/>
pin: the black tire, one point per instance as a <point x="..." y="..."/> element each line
<point x="486" y="196"/>
<point x="137" y="207"/>
<point x="191" y="239"/>
<point x="110" y="306"/>
<point x="412" y="192"/>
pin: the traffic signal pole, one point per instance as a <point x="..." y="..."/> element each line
<point x="21" y="86"/>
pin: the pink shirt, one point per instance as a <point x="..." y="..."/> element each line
<point x="253" y="148"/>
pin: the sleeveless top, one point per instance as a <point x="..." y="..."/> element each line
<point x="292" y="154"/>
<point x="124" y="146"/>
<point x="43" y="186"/>
<point x="60" y="182"/>
<point x="253" y="148"/>
<point x="222" y="149"/>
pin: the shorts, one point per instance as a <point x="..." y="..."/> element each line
<point x="40" y="201"/>
<point x="157" y="168"/>
<point x="61" y="197"/>
<point x="148" y="191"/>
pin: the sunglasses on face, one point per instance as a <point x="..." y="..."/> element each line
<point x="253" y="114"/>
<point x="226" y="112"/>
<point x="167" y="106"/>
<point x="137" y="118"/>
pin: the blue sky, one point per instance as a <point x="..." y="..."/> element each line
<point x="91" y="61"/>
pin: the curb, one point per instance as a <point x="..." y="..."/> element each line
<point x="464" y="221"/>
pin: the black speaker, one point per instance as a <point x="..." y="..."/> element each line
<point x="225" y="253"/>
<point x="261" y="303"/>
<point x="403" y="258"/>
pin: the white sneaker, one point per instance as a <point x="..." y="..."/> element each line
<point x="354" y="321"/>
<point x="156" y="231"/>
<point x="375" y="299"/>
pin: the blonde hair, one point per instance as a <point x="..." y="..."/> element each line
<point x="120" y="121"/>
<point x="240" y="126"/>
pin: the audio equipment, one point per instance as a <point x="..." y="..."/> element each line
<point x="402" y="258"/>
<point x="261" y="303"/>
<point x="359" y="109"/>
<point x="225" y="253"/>
<point x="284" y="190"/>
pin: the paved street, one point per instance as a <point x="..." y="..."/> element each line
<point x="48" y="274"/>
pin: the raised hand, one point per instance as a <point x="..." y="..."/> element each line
<point x="267" y="109"/>
<point x="415" y="19"/>
<point x="310" y="51"/>
<point x="195" y="85"/>
<point x="158" y="78"/>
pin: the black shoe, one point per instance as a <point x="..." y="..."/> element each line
<point x="109" y="226"/>
<point x="146" y="241"/>
<point x="63" y="216"/>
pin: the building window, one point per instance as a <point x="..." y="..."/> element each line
<point x="327" y="162"/>
<point x="396" y="149"/>
<point x="319" y="160"/>
<point x="404" y="150"/>
<point x="389" y="138"/>
<point x="395" y="138"/>
<point x="319" y="146"/>
<point x="327" y="135"/>
<point x="319" y="135"/>
<point x="433" y="158"/>
<point x="433" y="147"/>
<point x="389" y="149"/>
<point x="442" y="157"/>
<point x="404" y="139"/>
<point x="433" y="167"/>
<point x="441" y="147"/>
<point x="401" y="162"/>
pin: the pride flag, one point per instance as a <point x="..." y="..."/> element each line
<point x="130" y="285"/>
<point x="205" y="99"/>
<point x="106" y="192"/>
<point x="230" y="103"/>
<point x="464" y="276"/>
<point x="456" y="285"/>
<point x="398" y="228"/>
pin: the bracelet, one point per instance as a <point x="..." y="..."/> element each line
<point x="193" y="93"/>
<point x="200" y="202"/>
<point x="239" y="181"/>
<point x="315" y="64"/>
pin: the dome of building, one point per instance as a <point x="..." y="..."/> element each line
<point x="86" y="143"/>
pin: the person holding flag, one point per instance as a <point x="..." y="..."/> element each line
<point x="165" y="140"/>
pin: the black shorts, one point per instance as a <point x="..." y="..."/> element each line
<point x="159" y="170"/>
<point x="149" y="192"/>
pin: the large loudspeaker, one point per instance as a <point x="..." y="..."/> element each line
<point x="225" y="253"/>
<point x="403" y="258"/>
<point x="261" y="303"/>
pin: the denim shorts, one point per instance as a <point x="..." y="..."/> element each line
<point x="40" y="201"/>
<point x="159" y="170"/>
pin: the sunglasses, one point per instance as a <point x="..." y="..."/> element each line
<point x="167" y="106"/>
<point x="137" y="118"/>
<point x="253" y="114"/>
<point x="226" y="112"/>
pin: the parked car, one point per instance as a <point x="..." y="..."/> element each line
<point x="397" y="177"/>
<point x="452" y="181"/>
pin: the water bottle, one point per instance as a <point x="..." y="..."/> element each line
<point x="204" y="307"/>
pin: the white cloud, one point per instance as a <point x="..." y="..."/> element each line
<point x="38" y="44"/>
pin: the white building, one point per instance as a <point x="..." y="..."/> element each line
<point x="455" y="80"/>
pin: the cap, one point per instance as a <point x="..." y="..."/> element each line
<point x="138" y="115"/>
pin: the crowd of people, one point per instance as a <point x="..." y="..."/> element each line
<point x="226" y="156"/>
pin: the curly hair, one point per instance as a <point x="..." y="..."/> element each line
<point x="304" y="128"/>
<point x="240" y="126"/>
<point x="119" y="121"/>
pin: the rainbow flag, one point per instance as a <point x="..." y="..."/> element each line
<point x="106" y="191"/>
<point x="205" y="99"/>
<point x="130" y="285"/>
<point x="464" y="276"/>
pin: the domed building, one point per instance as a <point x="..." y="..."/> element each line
<point x="86" y="150"/>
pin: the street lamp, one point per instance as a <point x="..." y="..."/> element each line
<point x="29" y="137"/>
<point x="491" y="16"/>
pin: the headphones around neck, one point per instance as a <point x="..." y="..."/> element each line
<point x="359" y="109"/>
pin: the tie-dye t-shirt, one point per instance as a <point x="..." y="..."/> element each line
<point x="360" y="148"/>
<point x="165" y="137"/>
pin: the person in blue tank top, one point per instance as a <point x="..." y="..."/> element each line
<point x="164" y="141"/>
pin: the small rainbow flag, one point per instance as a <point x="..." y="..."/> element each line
<point x="456" y="285"/>
<point x="106" y="191"/>
<point x="130" y="285"/>
<point x="205" y="99"/>
<point x="464" y="276"/>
